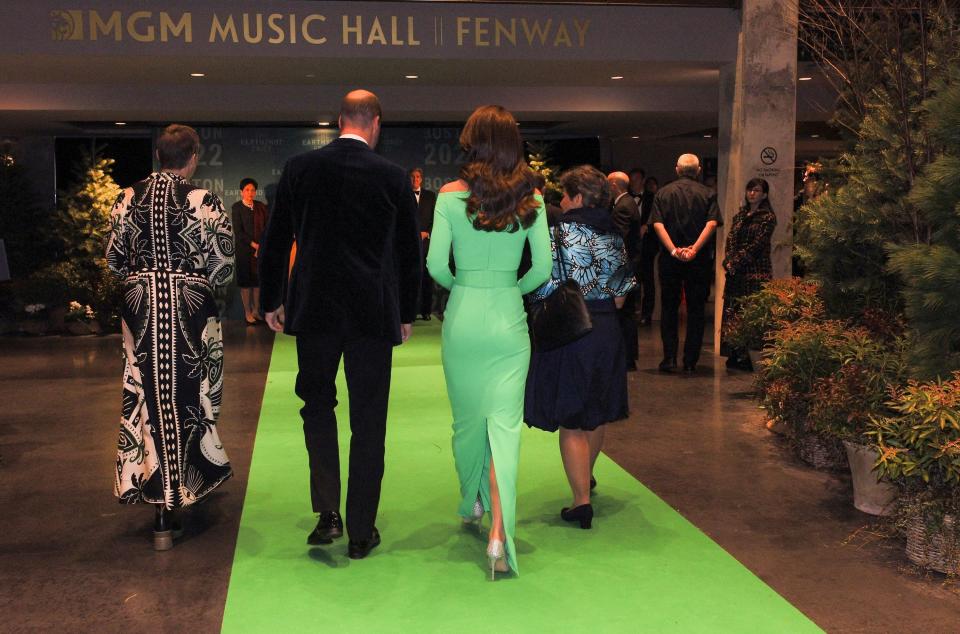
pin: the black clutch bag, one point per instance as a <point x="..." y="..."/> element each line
<point x="562" y="317"/>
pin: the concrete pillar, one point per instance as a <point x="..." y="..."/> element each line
<point x="757" y="127"/>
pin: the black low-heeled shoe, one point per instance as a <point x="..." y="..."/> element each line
<point x="166" y="528"/>
<point x="582" y="514"/>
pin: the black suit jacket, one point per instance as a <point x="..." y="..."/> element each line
<point x="428" y="200"/>
<point x="357" y="268"/>
<point x="626" y="217"/>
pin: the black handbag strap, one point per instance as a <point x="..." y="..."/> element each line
<point x="560" y="261"/>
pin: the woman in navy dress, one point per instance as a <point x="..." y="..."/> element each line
<point x="581" y="386"/>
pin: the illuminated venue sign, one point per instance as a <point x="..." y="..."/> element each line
<point x="317" y="29"/>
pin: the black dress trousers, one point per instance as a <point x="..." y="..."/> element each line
<point x="367" y="365"/>
<point x="692" y="281"/>
<point x="648" y="289"/>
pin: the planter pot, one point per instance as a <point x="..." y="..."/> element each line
<point x="933" y="545"/>
<point x="822" y="453"/>
<point x="870" y="494"/>
<point x="81" y="328"/>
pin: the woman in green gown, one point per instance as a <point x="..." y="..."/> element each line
<point x="487" y="216"/>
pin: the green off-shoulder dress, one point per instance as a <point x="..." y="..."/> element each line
<point x="486" y="348"/>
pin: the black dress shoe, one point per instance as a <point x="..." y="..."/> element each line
<point x="644" y="321"/>
<point x="689" y="369"/>
<point x="582" y="514"/>
<point x="631" y="366"/>
<point x="329" y="528"/>
<point x="166" y="528"/>
<point x="360" y="549"/>
<point x="667" y="365"/>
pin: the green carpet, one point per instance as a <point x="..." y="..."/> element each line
<point x="643" y="567"/>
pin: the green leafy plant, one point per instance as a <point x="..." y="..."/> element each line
<point x="920" y="440"/>
<point x="779" y="302"/>
<point x="79" y="312"/>
<point x="83" y="229"/>
<point x="888" y="64"/>
<point x="918" y="449"/>
<point x="539" y="162"/>
<point x="843" y="402"/>
<point x="930" y="268"/>
<point x="801" y="353"/>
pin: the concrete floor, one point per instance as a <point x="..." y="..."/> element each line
<point x="72" y="559"/>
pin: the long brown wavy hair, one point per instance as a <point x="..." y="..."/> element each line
<point x="501" y="184"/>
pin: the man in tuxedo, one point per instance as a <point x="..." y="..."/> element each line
<point x="684" y="215"/>
<point x="426" y="201"/>
<point x="640" y="189"/>
<point x="626" y="217"/>
<point x="352" y="293"/>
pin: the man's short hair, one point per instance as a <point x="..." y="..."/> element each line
<point x="637" y="170"/>
<point x="175" y="145"/>
<point x="416" y="170"/>
<point x="360" y="110"/>
<point x="688" y="165"/>
<point x="620" y="180"/>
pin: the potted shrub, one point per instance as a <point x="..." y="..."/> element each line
<point x="80" y="319"/>
<point x="759" y="314"/>
<point x="801" y="354"/>
<point x="918" y="449"/>
<point x="843" y="402"/>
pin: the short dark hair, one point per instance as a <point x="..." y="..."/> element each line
<point x="637" y="170"/>
<point x="415" y="170"/>
<point x="360" y="110"/>
<point x="249" y="181"/>
<point x="175" y="145"/>
<point x="589" y="182"/>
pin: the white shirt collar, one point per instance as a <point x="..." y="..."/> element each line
<point x="355" y="137"/>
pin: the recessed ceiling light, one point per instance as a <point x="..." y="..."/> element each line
<point x="412" y="76"/>
<point x="804" y="78"/>
<point x="323" y="123"/>
<point x="708" y="136"/>
<point x="310" y="75"/>
<point x="634" y="137"/>
<point x="814" y="136"/>
<point x="198" y="74"/>
<point x="120" y="123"/>
<point x="617" y="77"/>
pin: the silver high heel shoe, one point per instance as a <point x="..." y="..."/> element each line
<point x="477" y="513"/>
<point x="497" y="557"/>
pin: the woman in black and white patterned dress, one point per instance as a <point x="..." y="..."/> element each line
<point x="172" y="246"/>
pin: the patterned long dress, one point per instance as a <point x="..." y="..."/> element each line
<point x="172" y="245"/>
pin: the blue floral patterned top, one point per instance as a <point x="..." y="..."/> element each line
<point x="594" y="255"/>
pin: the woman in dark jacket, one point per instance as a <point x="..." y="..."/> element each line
<point x="747" y="258"/>
<point x="249" y="221"/>
<point x="582" y="385"/>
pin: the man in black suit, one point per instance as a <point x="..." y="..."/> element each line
<point x="626" y="217"/>
<point x="426" y="201"/>
<point x="352" y="294"/>
<point x="684" y="215"/>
